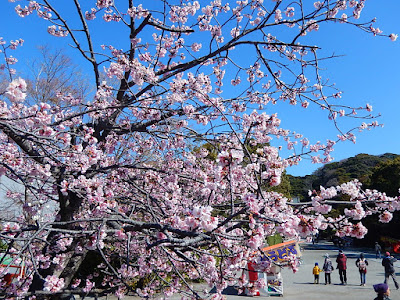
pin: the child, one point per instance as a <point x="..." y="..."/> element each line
<point x="327" y="268"/>
<point x="316" y="270"/>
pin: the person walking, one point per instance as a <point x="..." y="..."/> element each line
<point x="378" y="250"/>
<point x="362" y="264"/>
<point x="342" y="266"/>
<point x="327" y="268"/>
<point x="388" y="262"/>
<point x="316" y="270"/>
<point x="382" y="290"/>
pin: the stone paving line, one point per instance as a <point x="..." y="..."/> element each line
<point x="300" y="285"/>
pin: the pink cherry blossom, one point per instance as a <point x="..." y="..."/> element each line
<point x="393" y="37"/>
<point x="57" y="31"/>
<point x="385" y="217"/>
<point x="89" y="286"/>
<point x="16" y="90"/>
<point x="53" y="283"/>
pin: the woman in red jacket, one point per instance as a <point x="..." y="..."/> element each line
<point x="342" y="266"/>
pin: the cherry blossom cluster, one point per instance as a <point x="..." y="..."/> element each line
<point x="16" y="90"/>
<point x="9" y="60"/>
<point x="53" y="283"/>
<point x="57" y="31"/>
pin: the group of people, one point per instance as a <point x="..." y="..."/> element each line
<point x="381" y="289"/>
<point x="327" y="268"/>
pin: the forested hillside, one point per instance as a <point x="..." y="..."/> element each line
<point x="380" y="172"/>
<point x="361" y="166"/>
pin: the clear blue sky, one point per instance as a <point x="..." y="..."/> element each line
<point x="368" y="73"/>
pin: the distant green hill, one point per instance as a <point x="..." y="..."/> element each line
<point x="359" y="167"/>
<point x="380" y="172"/>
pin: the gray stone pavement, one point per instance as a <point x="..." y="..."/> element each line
<point x="300" y="286"/>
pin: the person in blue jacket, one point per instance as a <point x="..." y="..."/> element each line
<point x="387" y="263"/>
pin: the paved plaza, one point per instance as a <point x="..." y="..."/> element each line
<point x="300" y="286"/>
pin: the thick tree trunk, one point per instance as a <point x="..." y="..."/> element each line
<point x="69" y="206"/>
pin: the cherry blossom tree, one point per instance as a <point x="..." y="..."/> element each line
<point x="118" y="164"/>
